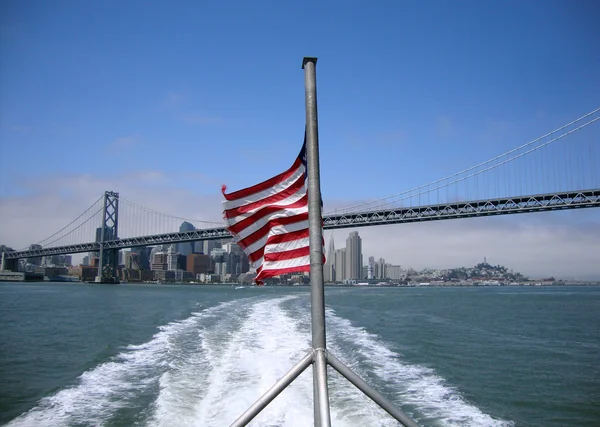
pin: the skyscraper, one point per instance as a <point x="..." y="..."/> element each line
<point x="329" y="266"/>
<point x="354" y="256"/>
<point x="185" y="248"/>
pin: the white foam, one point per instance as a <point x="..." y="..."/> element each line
<point x="416" y="386"/>
<point x="111" y="386"/>
<point x="239" y="364"/>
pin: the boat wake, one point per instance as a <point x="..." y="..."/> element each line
<point x="209" y="368"/>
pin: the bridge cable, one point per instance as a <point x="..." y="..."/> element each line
<point x="164" y="215"/>
<point x="71" y="223"/>
<point x="76" y="228"/>
<point x="540" y="168"/>
<point x="346" y="209"/>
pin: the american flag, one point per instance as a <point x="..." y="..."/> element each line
<point x="269" y="221"/>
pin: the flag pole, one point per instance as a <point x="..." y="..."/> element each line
<point x="318" y="356"/>
<point x="315" y="226"/>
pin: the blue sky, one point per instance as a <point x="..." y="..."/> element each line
<point x="165" y="101"/>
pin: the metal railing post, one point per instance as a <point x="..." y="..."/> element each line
<point x="370" y="391"/>
<point x="274" y="391"/>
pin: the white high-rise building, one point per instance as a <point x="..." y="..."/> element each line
<point x="339" y="265"/>
<point x="172" y="258"/>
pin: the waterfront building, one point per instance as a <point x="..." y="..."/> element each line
<point x="172" y="258"/>
<point x="353" y="256"/>
<point x="380" y="269"/>
<point x="394" y="272"/>
<point x="340" y="265"/>
<point x="155" y="250"/>
<point x="198" y="264"/>
<point x="159" y="261"/>
<point x="221" y="269"/>
<point x="371" y="268"/>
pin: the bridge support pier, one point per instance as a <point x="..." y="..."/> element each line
<point x="108" y="261"/>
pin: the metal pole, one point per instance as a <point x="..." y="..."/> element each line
<point x="317" y="414"/>
<point x="370" y="391"/>
<point x="315" y="220"/>
<point x="274" y="391"/>
<point x="320" y="371"/>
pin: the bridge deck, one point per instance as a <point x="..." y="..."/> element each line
<point x="467" y="209"/>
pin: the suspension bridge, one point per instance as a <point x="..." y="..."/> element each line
<point x="558" y="170"/>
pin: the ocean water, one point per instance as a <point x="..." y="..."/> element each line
<point x="152" y="355"/>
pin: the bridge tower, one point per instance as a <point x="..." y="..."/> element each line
<point x="108" y="261"/>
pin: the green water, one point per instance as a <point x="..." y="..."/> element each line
<point x="151" y="355"/>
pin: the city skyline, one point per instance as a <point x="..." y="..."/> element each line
<point x="509" y="247"/>
<point x="223" y="258"/>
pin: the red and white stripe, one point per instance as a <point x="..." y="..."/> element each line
<point x="269" y="221"/>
